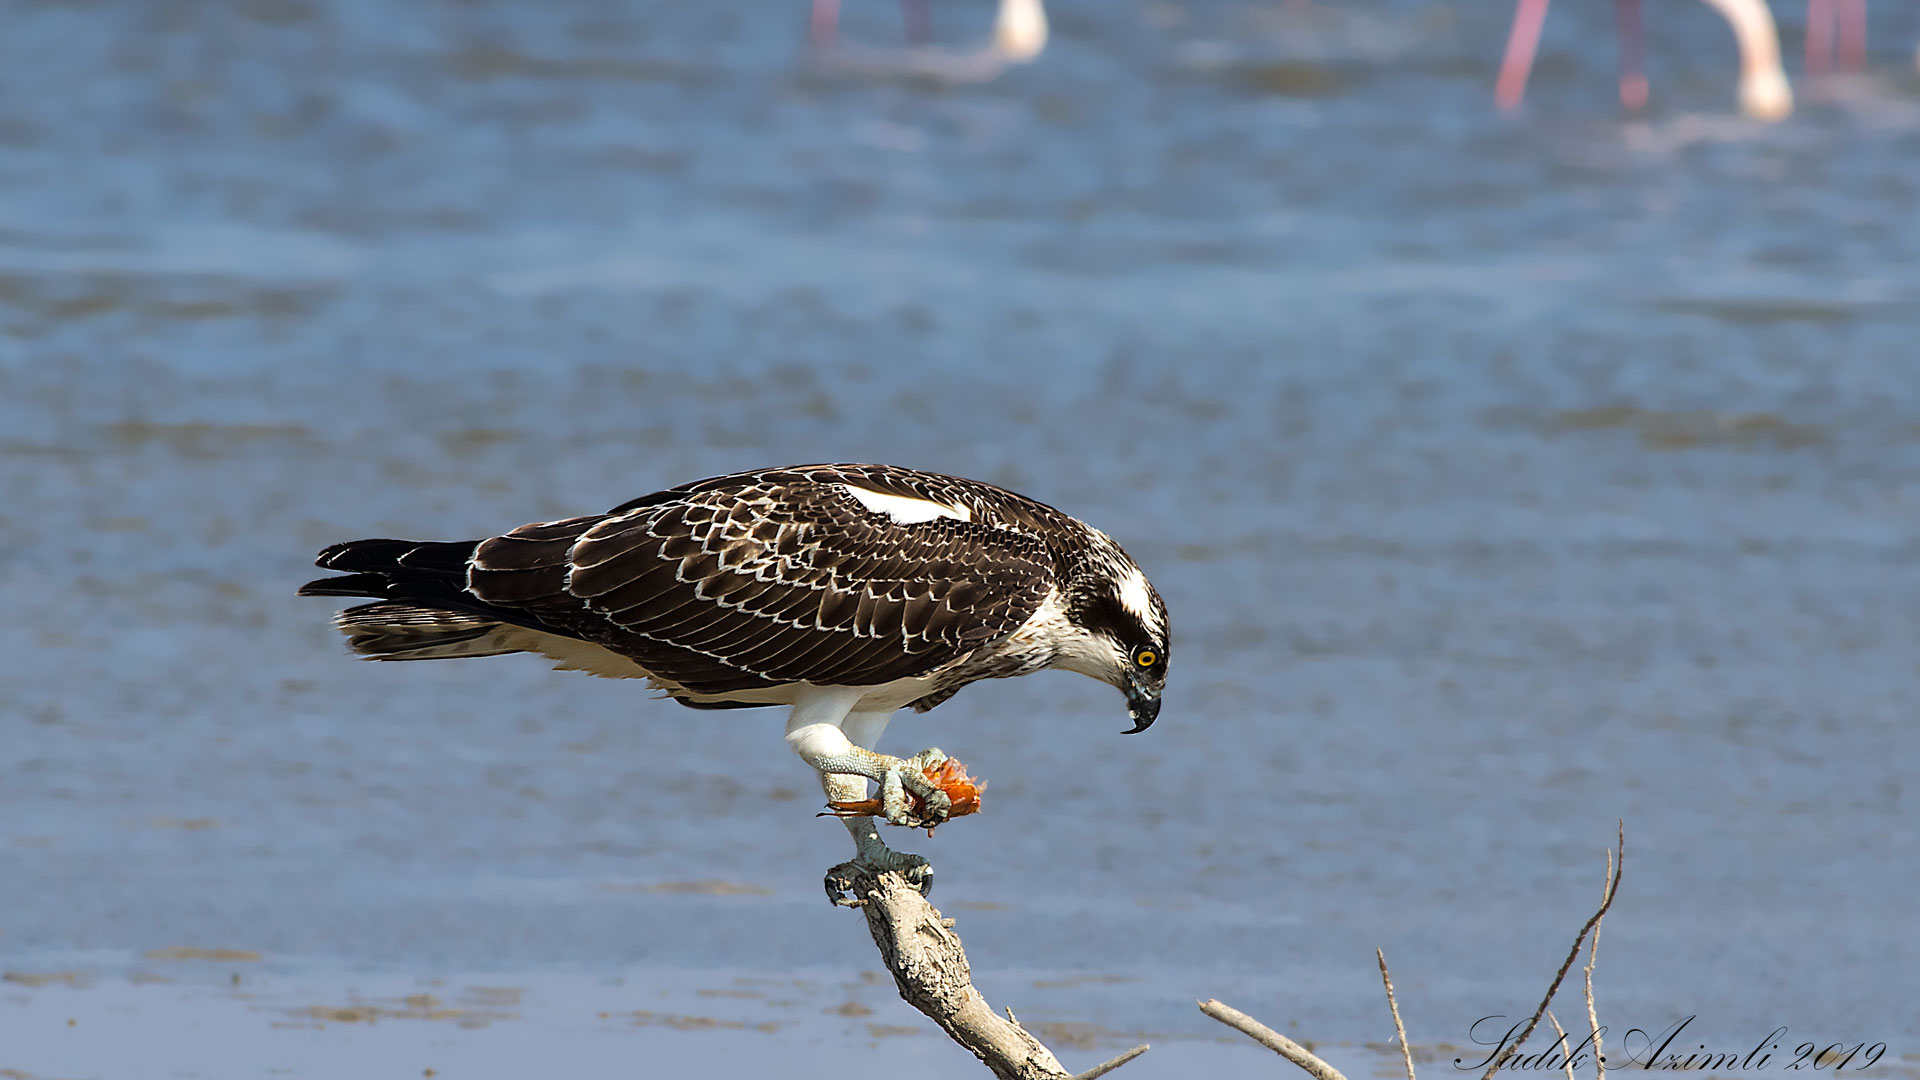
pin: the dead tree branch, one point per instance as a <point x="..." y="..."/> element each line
<point x="1106" y="1067"/>
<point x="930" y="969"/>
<point x="1606" y="901"/>
<point x="1565" y="1050"/>
<point x="1593" y="956"/>
<point x="1399" y="1029"/>
<point x="1271" y="1039"/>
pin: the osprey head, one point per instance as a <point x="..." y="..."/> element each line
<point x="1122" y="635"/>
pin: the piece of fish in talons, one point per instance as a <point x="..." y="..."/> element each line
<point x="949" y="776"/>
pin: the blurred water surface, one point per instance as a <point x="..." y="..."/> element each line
<point x="1505" y="476"/>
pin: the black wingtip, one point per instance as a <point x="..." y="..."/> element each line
<point x="328" y="553"/>
<point x="374" y="585"/>
<point x="376" y="554"/>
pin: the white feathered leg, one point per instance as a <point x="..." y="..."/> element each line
<point x="840" y="746"/>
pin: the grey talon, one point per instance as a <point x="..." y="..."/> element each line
<point x="839" y="884"/>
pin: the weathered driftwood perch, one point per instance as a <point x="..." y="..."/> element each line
<point x="920" y="948"/>
<point x="1320" y="1070"/>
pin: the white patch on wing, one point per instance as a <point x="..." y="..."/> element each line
<point x="1137" y="596"/>
<point x="905" y="510"/>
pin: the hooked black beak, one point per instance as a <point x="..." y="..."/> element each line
<point x="1143" y="707"/>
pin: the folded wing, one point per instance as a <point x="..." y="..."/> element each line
<point x="743" y="582"/>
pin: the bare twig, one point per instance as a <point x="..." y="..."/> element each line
<point x="1613" y="887"/>
<point x="1106" y="1067"/>
<point x="1270" y="1039"/>
<point x="1564" y="1048"/>
<point x="1399" y="1029"/>
<point x="930" y="969"/>
<point x="1593" y="955"/>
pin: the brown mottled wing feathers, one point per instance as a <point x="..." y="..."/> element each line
<point x="758" y="579"/>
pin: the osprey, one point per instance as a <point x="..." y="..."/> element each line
<point x="842" y="591"/>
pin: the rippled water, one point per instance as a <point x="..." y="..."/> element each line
<point x="1505" y="476"/>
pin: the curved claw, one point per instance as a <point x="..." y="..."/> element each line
<point x="839" y="885"/>
<point x="919" y="874"/>
<point x="915" y="870"/>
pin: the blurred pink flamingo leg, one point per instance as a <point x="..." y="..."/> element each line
<point x="1820" y="15"/>
<point x="1522" y="40"/>
<point x="1831" y="21"/>
<point x="919" y="21"/>
<point x="1853" y="35"/>
<point x="824" y="24"/>
<point x="1633" y="55"/>
<point x="823" y="27"/>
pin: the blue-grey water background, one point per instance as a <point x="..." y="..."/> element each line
<point x="1505" y="477"/>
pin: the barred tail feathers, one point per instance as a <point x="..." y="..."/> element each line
<point x="398" y="631"/>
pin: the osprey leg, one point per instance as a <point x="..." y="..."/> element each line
<point x="859" y="731"/>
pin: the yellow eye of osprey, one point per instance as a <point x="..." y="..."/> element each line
<point x="1145" y="658"/>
